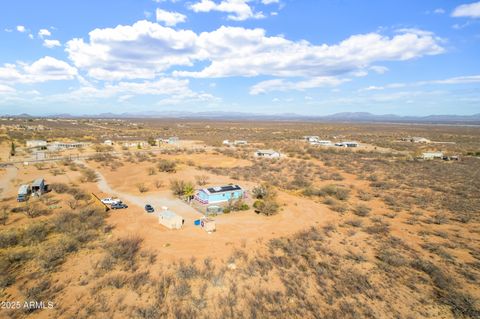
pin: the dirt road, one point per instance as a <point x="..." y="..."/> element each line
<point x="9" y="173"/>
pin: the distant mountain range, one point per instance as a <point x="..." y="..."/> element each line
<point x="239" y="116"/>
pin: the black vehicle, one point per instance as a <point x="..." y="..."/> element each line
<point x="119" y="206"/>
<point x="149" y="208"/>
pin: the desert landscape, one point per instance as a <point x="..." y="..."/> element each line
<point x="376" y="230"/>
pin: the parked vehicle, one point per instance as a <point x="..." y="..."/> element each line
<point x="23" y="193"/>
<point x="149" y="208"/>
<point x="111" y="201"/>
<point x="119" y="205"/>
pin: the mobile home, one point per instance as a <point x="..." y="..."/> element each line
<point x="267" y="154"/>
<point x="219" y="194"/>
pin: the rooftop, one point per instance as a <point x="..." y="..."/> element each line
<point x="221" y="189"/>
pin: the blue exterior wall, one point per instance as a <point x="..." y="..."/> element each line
<point x="219" y="197"/>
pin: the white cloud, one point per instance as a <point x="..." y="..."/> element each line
<point x="42" y="70"/>
<point x="7" y="30"/>
<point x="21" y="28"/>
<point x="379" y="69"/>
<point x="139" y="51"/>
<point x="469" y="10"/>
<point x="239" y="9"/>
<point x="44" y="33"/>
<point x="170" y="18"/>
<point x="51" y="43"/>
<point x="439" y="11"/>
<point x="249" y="52"/>
<point x="146" y="50"/>
<point x="267" y="2"/>
<point x="283" y="85"/>
<point x="5" y="89"/>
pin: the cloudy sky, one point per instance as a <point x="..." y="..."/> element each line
<point x="319" y="57"/>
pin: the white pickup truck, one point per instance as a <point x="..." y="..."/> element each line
<point x="110" y="201"/>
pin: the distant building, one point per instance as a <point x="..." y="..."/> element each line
<point x="219" y="194"/>
<point x="55" y="146"/>
<point x="322" y="143"/>
<point x="36" y="143"/>
<point x="267" y="154"/>
<point x="311" y="138"/>
<point x="108" y="142"/>
<point x="417" y="139"/>
<point x="240" y="142"/>
<point x="347" y="144"/>
<point x="171" y="140"/>
<point x="431" y="155"/>
<point x="226" y="142"/>
<point x="135" y="144"/>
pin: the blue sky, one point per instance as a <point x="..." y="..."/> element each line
<point x="264" y="56"/>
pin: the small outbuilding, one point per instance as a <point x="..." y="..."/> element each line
<point x="23" y="193"/>
<point x="170" y="220"/>
<point x="36" y="143"/>
<point x="431" y="155"/>
<point x="38" y="186"/>
<point x="208" y="224"/>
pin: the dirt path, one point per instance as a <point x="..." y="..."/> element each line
<point x="157" y="201"/>
<point x="6" y="178"/>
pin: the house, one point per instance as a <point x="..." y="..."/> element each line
<point x="36" y="143"/>
<point x="240" y="142"/>
<point x="417" y="139"/>
<point x="55" y="146"/>
<point x="267" y="154"/>
<point x="171" y="140"/>
<point x="139" y="144"/>
<point x="431" y="155"/>
<point x="311" y="138"/>
<point x="108" y="142"/>
<point x="23" y="193"/>
<point x="226" y="142"/>
<point x="322" y="143"/>
<point x="219" y="194"/>
<point x="38" y="186"/>
<point x="347" y="144"/>
<point x="170" y="220"/>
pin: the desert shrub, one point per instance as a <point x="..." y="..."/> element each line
<point x="167" y="166"/>
<point x="263" y="191"/>
<point x="362" y="210"/>
<point x="354" y="222"/>
<point x="125" y="249"/>
<point x="182" y="188"/>
<point x="158" y="184"/>
<point x="151" y="171"/>
<point x="142" y="188"/>
<point x="201" y="180"/>
<point x="391" y="257"/>
<point x="53" y="255"/>
<point x="59" y="188"/>
<point x="339" y="192"/>
<point x="10" y="237"/>
<point x="266" y="207"/>
<point x="88" y="175"/>
<point x="378" y="229"/>
<point x="35" y="233"/>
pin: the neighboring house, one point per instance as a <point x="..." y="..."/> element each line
<point x="431" y="155"/>
<point x="240" y="142"/>
<point x="226" y="142"/>
<point x="135" y="144"/>
<point x="108" y="142"/>
<point x="170" y="220"/>
<point x="347" y="144"/>
<point x="171" y="140"/>
<point x="267" y="154"/>
<point x="38" y="186"/>
<point x="311" y="138"/>
<point x="23" y="193"/>
<point x="417" y="139"/>
<point x="55" y="146"/>
<point x="322" y="143"/>
<point x="36" y="143"/>
<point x="219" y="194"/>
